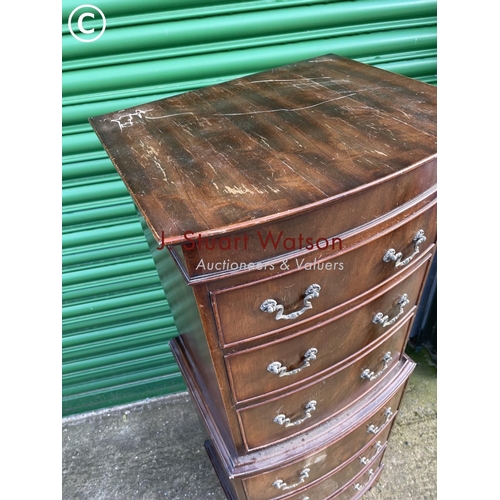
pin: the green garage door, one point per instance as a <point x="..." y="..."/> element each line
<point x="116" y="321"/>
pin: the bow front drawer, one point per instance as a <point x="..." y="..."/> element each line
<point x="283" y="363"/>
<point x="357" y="448"/>
<point x="202" y="256"/>
<point x="343" y="485"/>
<point x="280" y="418"/>
<point x="269" y="305"/>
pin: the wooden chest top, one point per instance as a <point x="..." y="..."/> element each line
<point x="268" y="145"/>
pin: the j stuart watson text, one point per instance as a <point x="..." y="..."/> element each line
<point x="264" y="240"/>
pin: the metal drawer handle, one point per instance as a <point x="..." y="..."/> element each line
<point x="271" y="306"/>
<point x="281" y="485"/>
<point x="366" y="461"/>
<point x="383" y="319"/>
<point x="373" y="429"/>
<point x="282" y="419"/>
<point x="391" y="254"/>
<point x="369" y="375"/>
<point x="282" y="371"/>
<point x="358" y="486"/>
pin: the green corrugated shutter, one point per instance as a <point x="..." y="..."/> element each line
<point x="116" y="321"/>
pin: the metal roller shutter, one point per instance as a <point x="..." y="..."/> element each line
<point x="116" y="321"/>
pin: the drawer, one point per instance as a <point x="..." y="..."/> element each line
<point x="304" y="480"/>
<point x="277" y="238"/>
<point x="374" y="428"/>
<point x="282" y="363"/>
<point x="253" y="310"/>
<point x="346" y="483"/>
<point x="357" y="488"/>
<point x="280" y="418"/>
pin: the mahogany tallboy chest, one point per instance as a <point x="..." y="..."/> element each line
<point x="292" y="219"/>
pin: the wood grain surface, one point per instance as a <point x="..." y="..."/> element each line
<point x="263" y="146"/>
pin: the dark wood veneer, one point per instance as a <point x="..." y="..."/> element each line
<point x="329" y="149"/>
<point x="299" y="135"/>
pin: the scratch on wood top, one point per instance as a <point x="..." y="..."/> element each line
<point x="286" y="109"/>
<point x="168" y="116"/>
<point x="304" y="79"/>
<point x="127" y="120"/>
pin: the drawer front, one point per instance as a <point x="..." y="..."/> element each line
<point x="279" y="364"/>
<point x="277" y="238"/>
<point x="370" y="456"/>
<point x="248" y="311"/>
<point x="346" y="484"/>
<point x="278" y="419"/>
<point x="359" y="486"/>
<point x="364" y="437"/>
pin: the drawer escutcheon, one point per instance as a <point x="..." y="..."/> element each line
<point x="282" y="419"/>
<point x="281" y="485"/>
<point x="391" y="254"/>
<point x="271" y="306"/>
<point x="282" y="371"/>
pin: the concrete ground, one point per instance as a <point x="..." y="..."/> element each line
<point x="154" y="450"/>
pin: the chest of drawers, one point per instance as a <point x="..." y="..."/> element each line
<point x="292" y="219"/>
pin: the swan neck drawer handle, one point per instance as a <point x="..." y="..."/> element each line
<point x="282" y="371"/>
<point x="373" y="429"/>
<point x="369" y="375"/>
<point x="281" y="485"/>
<point x="282" y="419"/>
<point x="358" y="486"/>
<point x="271" y="306"/>
<point x="366" y="461"/>
<point x="383" y="319"/>
<point x="391" y="254"/>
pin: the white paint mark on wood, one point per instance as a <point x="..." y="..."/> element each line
<point x="127" y="120"/>
<point x="237" y="190"/>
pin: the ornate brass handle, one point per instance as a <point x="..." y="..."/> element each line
<point x="366" y="461"/>
<point x="358" y="486"/>
<point x="391" y="254"/>
<point x="281" y="485"/>
<point x="282" y="371"/>
<point x="373" y="429"/>
<point x="282" y="419"/>
<point x="369" y="375"/>
<point x="271" y="306"/>
<point x="383" y="319"/>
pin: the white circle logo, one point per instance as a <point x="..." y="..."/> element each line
<point x="89" y="13"/>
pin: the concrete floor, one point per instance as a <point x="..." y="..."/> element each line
<point x="154" y="450"/>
